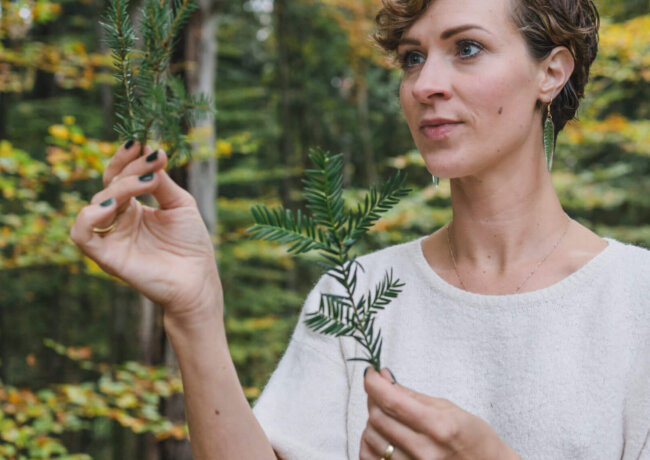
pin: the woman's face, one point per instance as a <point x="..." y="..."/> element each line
<point x="469" y="87"/>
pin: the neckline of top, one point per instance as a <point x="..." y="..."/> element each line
<point x="584" y="273"/>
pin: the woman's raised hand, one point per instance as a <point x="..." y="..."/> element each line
<point x="164" y="253"/>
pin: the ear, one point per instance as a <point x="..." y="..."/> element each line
<point x="556" y="69"/>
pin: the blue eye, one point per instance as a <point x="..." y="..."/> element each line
<point x="410" y="59"/>
<point x="468" y="49"/>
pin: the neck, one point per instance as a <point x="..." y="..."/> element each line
<point x="505" y="221"/>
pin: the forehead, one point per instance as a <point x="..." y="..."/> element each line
<point x="493" y="15"/>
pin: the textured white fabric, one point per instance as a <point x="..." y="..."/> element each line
<point x="559" y="373"/>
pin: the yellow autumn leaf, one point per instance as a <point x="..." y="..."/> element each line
<point x="5" y="148"/>
<point x="8" y="192"/>
<point x="264" y="323"/>
<point x="106" y="148"/>
<point x="127" y="401"/>
<point x="251" y="392"/>
<point x="78" y="138"/>
<point x="59" y="131"/>
<point x="224" y="149"/>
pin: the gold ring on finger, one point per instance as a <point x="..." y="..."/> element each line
<point x="389" y="452"/>
<point x="102" y="232"/>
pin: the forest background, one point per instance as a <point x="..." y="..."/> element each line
<point x="85" y="370"/>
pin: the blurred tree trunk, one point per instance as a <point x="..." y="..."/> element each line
<point x="370" y="168"/>
<point x="287" y="147"/>
<point x="290" y="155"/>
<point x="106" y="91"/>
<point x="150" y="335"/>
<point x="200" y="58"/>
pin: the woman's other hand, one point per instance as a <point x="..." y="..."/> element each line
<point x="422" y="427"/>
<point x="164" y="253"/>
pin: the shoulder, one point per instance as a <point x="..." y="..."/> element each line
<point x="628" y="257"/>
<point x="628" y="267"/>
<point x="398" y="253"/>
<point x="400" y="258"/>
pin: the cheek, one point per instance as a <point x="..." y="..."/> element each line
<point x="404" y="100"/>
<point x="500" y="98"/>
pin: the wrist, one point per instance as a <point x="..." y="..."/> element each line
<point x="204" y="312"/>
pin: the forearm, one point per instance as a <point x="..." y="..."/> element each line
<point x="221" y="422"/>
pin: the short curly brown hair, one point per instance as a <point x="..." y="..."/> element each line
<point x="544" y="24"/>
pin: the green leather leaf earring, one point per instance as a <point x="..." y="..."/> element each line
<point x="549" y="139"/>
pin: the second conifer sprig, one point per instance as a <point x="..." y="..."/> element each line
<point x="332" y="230"/>
<point x="152" y="104"/>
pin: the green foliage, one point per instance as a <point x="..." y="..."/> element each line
<point x="333" y="231"/>
<point x="152" y="103"/>
<point x="49" y="170"/>
<point x="32" y="423"/>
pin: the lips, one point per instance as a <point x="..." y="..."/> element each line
<point x="439" y="128"/>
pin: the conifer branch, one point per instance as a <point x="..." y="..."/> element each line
<point x="375" y="203"/>
<point x="332" y="231"/>
<point x="152" y="103"/>
<point x="183" y="12"/>
<point x="121" y="39"/>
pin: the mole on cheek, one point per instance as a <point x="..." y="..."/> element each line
<point x="216" y="412"/>
<point x="500" y="110"/>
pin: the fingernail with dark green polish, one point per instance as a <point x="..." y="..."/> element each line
<point x="107" y="203"/>
<point x="129" y="144"/>
<point x="146" y="177"/>
<point x="152" y="157"/>
<point x="366" y="371"/>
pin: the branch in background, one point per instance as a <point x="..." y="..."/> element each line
<point x="152" y="103"/>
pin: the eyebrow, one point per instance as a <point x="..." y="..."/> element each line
<point x="445" y="35"/>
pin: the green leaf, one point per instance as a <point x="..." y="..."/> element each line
<point x="280" y="225"/>
<point x="374" y="205"/>
<point x="324" y="189"/>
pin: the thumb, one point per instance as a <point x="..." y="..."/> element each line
<point x="170" y="195"/>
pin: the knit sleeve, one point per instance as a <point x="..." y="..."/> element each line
<point x="303" y="406"/>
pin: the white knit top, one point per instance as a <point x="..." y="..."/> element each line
<point x="559" y="373"/>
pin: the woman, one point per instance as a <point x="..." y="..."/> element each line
<point x="520" y="333"/>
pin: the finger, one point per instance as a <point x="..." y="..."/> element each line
<point x="168" y="194"/>
<point x="127" y="187"/>
<point x="123" y="191"/>
<point x="89" y="217"/>
<point x="151" y="161"/>
<point x="403" y="437"/>
<point x="433" y="416"/>
<point x="375" y="446"/>
<point x="124" y="155"/>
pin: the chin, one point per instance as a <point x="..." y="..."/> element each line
<point x="441" y="164"/>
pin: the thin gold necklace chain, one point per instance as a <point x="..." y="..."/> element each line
<point x="453" y="259"/>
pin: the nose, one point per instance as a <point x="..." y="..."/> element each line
<point x="432" y="82"/>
